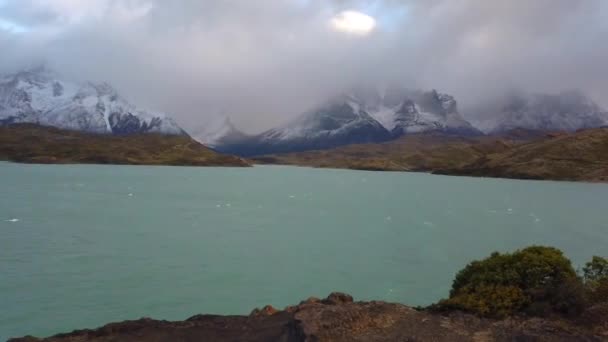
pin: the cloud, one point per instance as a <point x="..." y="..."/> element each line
<point x="353" y="22"/>
<point x="263" y="62"/>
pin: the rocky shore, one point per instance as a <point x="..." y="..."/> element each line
<point x="339" y="318"/>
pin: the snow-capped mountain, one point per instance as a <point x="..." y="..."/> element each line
<point x="217" y="131"/>
<point x="566" y="111"/>
<point x="403" y="112"/>
<point x="41" y="96"/>
<point x="363" y="115"/>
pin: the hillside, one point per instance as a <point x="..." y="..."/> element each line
<point x="580" y="156"/>
<point x="28" y="143"/>
<point x="423" y="152"/>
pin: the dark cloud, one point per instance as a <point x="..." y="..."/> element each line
<point x="265" y="61"/>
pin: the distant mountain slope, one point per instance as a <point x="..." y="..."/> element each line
<point x="580" y="156"/>
<point x="29" y="143"/>
<point x="41" y="96"/>
<point x="363" y="115"/>
<point x="567" y="111"/>
<point x="412" y="152"/>
<point x="577" y="156"/>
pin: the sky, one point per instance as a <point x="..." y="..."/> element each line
<point x="262" y="62"/>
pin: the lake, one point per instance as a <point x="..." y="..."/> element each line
<point x="84" y="245"/>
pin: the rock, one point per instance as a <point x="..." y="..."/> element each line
<point x="268" y="310"/>
<point x="339" y="318"/>
<point x="338" y="298"/>
<point x="310" y="300"/>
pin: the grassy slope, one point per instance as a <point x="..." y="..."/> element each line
<point x="582" y="156"/>
<point x="37" y="144"/>
<point x="578" y="156"/>
<point x="409" y="153"/>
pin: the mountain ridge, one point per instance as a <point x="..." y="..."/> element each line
<point x="363" y="115"/>
<point x="42" y="96"/>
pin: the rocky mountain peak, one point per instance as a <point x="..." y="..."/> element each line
<point x="42" y="96"/>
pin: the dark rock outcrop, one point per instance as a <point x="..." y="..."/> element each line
<point x="339" y="318"/>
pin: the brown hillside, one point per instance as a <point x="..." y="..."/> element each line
<point x="27" y="143"/>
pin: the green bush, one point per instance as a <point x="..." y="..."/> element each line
<point x="536" y="280"/>
<point x="595" y="274"/>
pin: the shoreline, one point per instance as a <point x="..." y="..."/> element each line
<point x="339" y="318"/>
<point x="437" y="173"/>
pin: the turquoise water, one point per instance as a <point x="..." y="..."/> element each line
<point x="81" y="246"/>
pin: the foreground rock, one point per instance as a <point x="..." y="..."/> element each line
<point x="339" y="318"/>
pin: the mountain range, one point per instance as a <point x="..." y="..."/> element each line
<point x="375" y="115"/>
<point x="41" y="96"/>
<point x="363" y="115"/>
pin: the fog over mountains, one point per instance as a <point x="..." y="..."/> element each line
<point x="265" y="63"/>
<point x="363" y="114"/>
<point x="370" y="114"/>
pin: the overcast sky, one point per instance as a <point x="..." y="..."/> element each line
<point x="264" y="61"/>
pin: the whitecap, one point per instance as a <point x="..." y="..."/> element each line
<point x="292" y="196"/>
<point x="536" y="218"/>
<point x="130" y="194"/>
<point x="12" y="220"/>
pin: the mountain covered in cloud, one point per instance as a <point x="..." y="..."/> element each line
<point x="217" y="131"/>
<point x="362" y="115"/>
<point x="566" y="111"/>
<point x="43" y="97"/>
<point x="403" y="112"/>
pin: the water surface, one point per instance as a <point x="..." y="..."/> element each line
<point x="81" y="246"/>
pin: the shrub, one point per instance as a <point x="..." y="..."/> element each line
<point x="536" y="280"/>
<point x="596" y="269"/>
<point x="595" y="274"/>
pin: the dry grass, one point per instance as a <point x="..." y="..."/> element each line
<point x="27" y="143"/>
<point x="581" y="156"/>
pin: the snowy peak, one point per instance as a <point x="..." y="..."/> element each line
<point x="401" y="111"/>
<point x="41" y="96"/>
<point x="361" y="115"/>
<point x="217" y="131"/>
<point x="566" y="111"/>
<point x="340" y="118"/>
